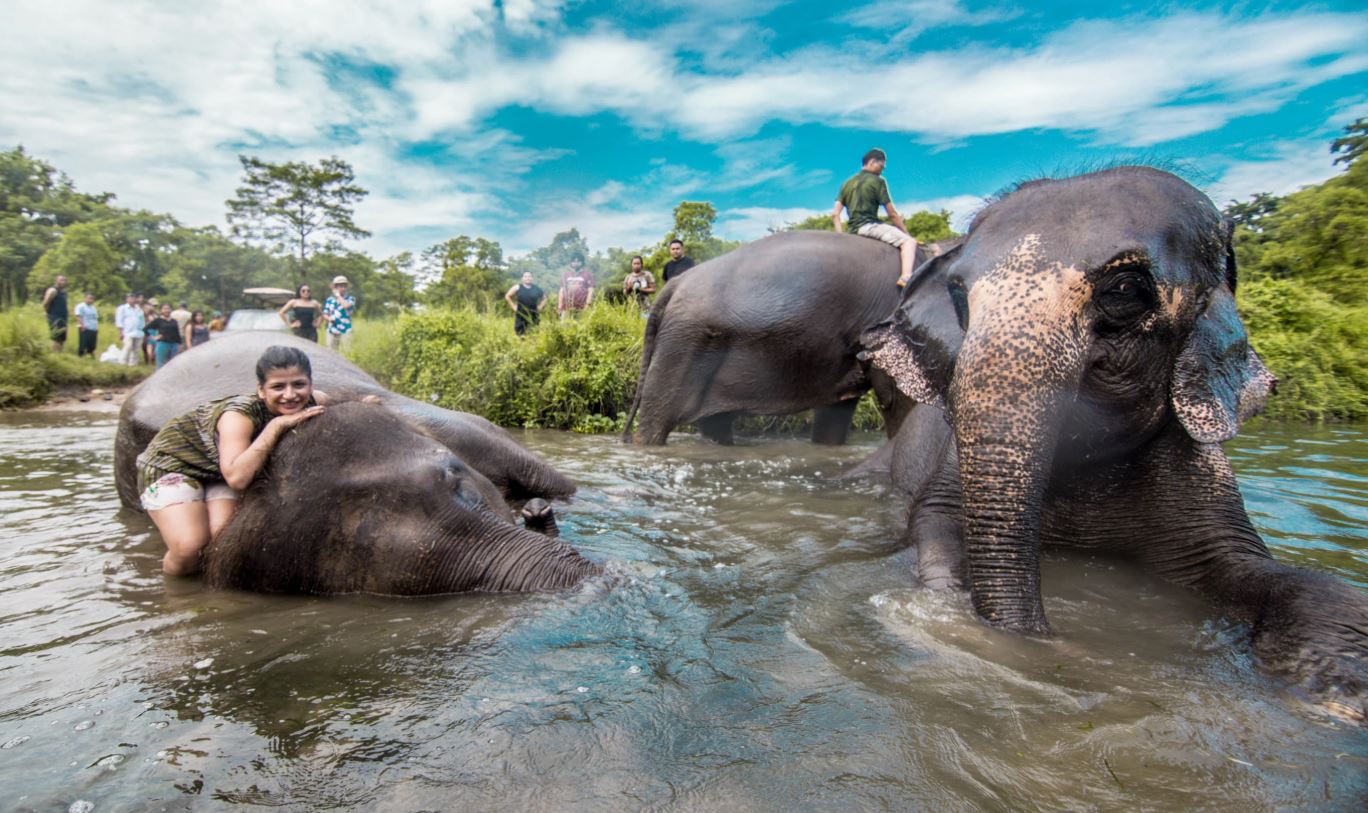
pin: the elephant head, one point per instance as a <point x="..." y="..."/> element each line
<point x="358" y="500"/>
<point x="1078" y="319"/>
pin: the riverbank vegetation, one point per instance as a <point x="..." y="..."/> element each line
<point x="30" y="371"/>
<point x="1303" y="288"/>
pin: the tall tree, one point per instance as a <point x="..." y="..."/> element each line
<point x="693" y="222"/>
<point x="296" y="207"/>
<point x="1250" y="214"/>
<point x="86" y="260"/>
<point x="463" y="270"/>
<point x="36" y="203"/>
<point x="1351" y="146"/>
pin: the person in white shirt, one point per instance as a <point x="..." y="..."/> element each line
<point x="87" y="326"/>
<point x="129" y="318"/>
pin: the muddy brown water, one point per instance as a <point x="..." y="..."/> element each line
<point x="758" y="644"/>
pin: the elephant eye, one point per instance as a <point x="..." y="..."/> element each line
<point x="960" y="298"/>
<point x="1125" y="297"/>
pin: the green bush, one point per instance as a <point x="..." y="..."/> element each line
<point x="30" y="371"/>
<point x="1317" y="348"/>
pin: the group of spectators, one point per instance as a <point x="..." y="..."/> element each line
<point x="153" y="332"/>
<point x="528" y="300"/>
<point x="149" y="331"/>
<point x="305" y="315"/>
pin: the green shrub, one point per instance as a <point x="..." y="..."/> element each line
<point x="30" y="371"/>
<point x="1317" y="348"/>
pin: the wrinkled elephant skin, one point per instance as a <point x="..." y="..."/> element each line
<point x="1077" y="361"/>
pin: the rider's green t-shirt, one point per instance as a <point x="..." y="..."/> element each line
<point x="862" y="196"/>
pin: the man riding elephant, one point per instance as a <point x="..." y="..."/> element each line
<point x="771" y="328"/>
<point x="862" y="195"/>
<point x="1077" y="361"/>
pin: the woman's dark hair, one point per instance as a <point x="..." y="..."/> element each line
<point x="299" y="289"/>
<point x="196" y="317"/>
<point x="637" y="257"/>
<point x="280" y="357"/>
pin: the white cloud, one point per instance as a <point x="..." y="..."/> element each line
<point x="1289" y="166"/>
<point x="153" y="101"/>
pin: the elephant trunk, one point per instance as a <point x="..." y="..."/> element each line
<point x="499" y="557"/>
<point x="1017" y="373"/>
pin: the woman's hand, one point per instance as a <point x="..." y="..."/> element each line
<point x="285" y="423"/>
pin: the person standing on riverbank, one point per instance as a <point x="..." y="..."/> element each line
<point x="55" y="307"/>
<point x="87" y="326"/>
<point x="678" y="262"/>
<point x="527" y="300"/>
<point x="305" y="314"/>
<point x="337" y="311"/>
<point x="151" y="311"/>
<point x="639" y="284"/>
<point x="196" y="330"/>
<point x="129" y="319"/>
<point x="576" y="288"/>
<point x="169" y="339"/>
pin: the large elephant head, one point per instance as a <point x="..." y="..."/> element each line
<point x="1077" y="320"/>
<point x="358" y="500"/>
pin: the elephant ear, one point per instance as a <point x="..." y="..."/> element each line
<point x="918" y="344"/>
<point x="1218" y="380"/>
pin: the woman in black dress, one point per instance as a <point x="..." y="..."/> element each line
<point x="304" y="314"/>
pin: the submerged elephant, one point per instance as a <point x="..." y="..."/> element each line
<point x="771" y="328"/>
<point x="1077" y="361"/>
<point x="395" y="497"/>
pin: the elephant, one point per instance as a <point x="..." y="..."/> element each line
<point x="770" y="328"/>
<point x="1076" y="363"/>
<point x="398" y="497"/>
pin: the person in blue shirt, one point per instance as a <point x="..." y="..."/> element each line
<point x="87" y="326"/>
<point x="337" y="311"/>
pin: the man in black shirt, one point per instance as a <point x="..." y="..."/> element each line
<point x="678" y="263"/>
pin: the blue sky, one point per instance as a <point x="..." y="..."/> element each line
<point x="515" y="120"/>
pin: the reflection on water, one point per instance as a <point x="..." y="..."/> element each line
<point x="756" y="645"/>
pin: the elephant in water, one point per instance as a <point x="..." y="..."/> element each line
<point x="396" y="497"/>
<point x="1076" y="363"/>
<point x="771" y="328"/>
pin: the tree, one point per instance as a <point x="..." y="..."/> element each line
<point x="296" y="207"/>
<point x="926" y="226"/>
<point x="463" y="270"/>
<point x="86" y="260"/>
<point x="36" y="203"/>
<point x="393" y="287"/>
<point x="1249" y="214"/>
<point x="210" y="271"/>
<point x="693" y="222"/>
<point x="1354" y="143"/>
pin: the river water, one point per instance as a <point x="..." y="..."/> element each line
<point x="757" y="645"/>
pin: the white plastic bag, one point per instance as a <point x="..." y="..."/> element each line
<point x="113" y="354"/>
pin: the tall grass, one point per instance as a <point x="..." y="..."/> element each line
<point x="30" y="371"/>
<point x="577" y="374"/>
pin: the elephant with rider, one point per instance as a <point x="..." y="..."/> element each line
<point x="771" y="328"/>
<point x="1076" y="363"/>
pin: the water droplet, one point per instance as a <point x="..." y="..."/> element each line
<point x="110" y="762"/>
<point x="83" y="725"/>
<point x="160" y="724"/>
<point x="259" y="632"/>
<point x="204" y="664"/>
<point x="582" y="689"/>
<point x="81" y="806"/>
<point x="15" y="742"/>
<point x="634" y="670"/>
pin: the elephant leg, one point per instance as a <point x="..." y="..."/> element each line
<point x="937" y="527"/>
<point x="718" y="428"/>
<point x="831" y="424"/>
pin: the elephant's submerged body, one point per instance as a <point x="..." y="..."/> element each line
<point x="396" y="497"/>
<point x="771" y="328"/>
<point x="1076" y="363"/>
